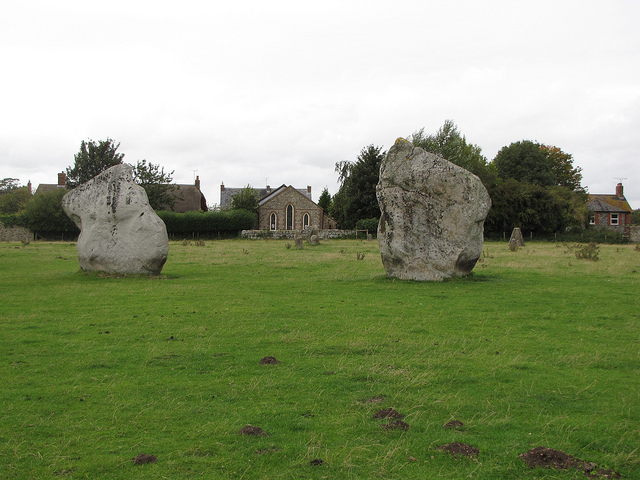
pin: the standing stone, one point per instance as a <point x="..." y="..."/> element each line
<point x="119" y="231"/>
<point x="314" y="240"/>
<point x="516" y="240"/>
<point x="433" y="212"/>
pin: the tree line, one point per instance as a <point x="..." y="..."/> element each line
<point x="44" y="215"/>
<point x="533" y="186"/>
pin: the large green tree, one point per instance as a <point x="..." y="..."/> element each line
<point x="356" y="198"/>
<point x="157" y="184"/>
<point x="538" y="190"/>
<point x="44" y="215"/>
<point x="13" y="197"/>
<point x="451" y="145"/>
<point x="245" y="199"/>
<point x="534" y="163"/>
<point x="325" y="200"/>
<point x="93" y="159"/>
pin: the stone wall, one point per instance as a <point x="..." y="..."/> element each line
<point x="634" y="234"/>
<point x="15" y="234"/>
<point x="291" y="234"/>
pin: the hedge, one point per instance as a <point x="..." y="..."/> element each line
<point x="207" y="224"/>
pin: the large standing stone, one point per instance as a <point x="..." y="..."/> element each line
<point x="433" y="212"/>
<point x="119" y="231"/>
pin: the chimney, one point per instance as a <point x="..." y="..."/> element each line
<point x="198" y="182"/>
<point x="222" y="187"/>
<point x="619" y="191"/>
<point x="29" y="187"/>
<point x="268" y="189"/>
<point x="62" y="179"/>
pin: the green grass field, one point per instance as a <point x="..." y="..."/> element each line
<point x="535" y="348"/>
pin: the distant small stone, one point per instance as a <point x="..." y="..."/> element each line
<point x="143" y="459"/>
<point x="268" y="361"/>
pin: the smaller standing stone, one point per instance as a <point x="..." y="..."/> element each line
<point x="516" y="240"/>
<point x="313" y="240"/>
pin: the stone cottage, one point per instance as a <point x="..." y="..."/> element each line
<point x="610" y="211"/>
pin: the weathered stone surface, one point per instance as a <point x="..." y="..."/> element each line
<point x="120" y="232"/>
<point x="433" y="212"/>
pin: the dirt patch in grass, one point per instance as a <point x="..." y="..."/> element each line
<point x="268" y="361"/>
<point x="397" y="425"/>
<point x="387" y="413"/>
<point x="457" y="448"/>
<point x="143" y="459"/>
<point x="454" y="424"/>
<point x="551" y="458"/>
<point x="251" y="430"/>
<point x="316" y="461"/>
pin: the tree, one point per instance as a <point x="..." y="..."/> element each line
<point x="448" y="143"/>
<point x="93" y="159"/>
<point x="45" y="216"/>
<point x="156" y="183"/>
<point x="542" y="165"/>
<point x="245" y="199"/>
<point x="13" y="197"/>
<point x="8" y="184"/>
<point x="325" y="200"/>
<point x="356" y="199"/>
<point x="14" y="200"/>
<point x="635" y="217"/>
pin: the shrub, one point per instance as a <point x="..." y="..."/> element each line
<point x="369" y="224"/>
<point x="207" y="224"/>
<point x="587" y="252"/>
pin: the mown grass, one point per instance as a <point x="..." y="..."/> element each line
<point x="535" y="348"/>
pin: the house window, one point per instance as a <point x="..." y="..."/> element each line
<point x="273" y="222"/>
<point x="592" y="219"/>
<point x="305" y="220"/>
<point x="614" y="219"/>
<point x="289" y="217"/>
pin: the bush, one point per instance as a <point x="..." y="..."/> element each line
<point x="207" y="224"/>
<point x="44" y="216"/>
<point x="369" y="224"/>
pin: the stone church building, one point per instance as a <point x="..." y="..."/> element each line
<point x="284" y="208"/>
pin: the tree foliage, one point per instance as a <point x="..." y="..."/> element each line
<point x="14" y="199"/>
<point x="245" y="199"/>
<point x="93" y="159"/>
<point x="543" y="165"/>
<point x="44" y="214"/>
<point x="448" y="143"/>
<point x="325" y="200"/>
<point x="356" y="198"/>
<point x="8" y="184"/>
<point x="156" y="183"/>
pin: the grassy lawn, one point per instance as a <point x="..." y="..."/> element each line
<point x="535" y="348"/>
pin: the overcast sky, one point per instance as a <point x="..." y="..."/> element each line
<point x="276" y="92"/>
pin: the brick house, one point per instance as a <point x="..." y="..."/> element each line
<point x="610" y="211"/>
<point x="284" y="208"/>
